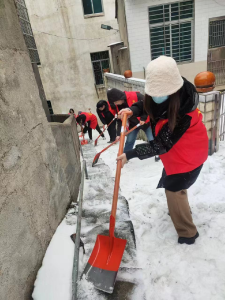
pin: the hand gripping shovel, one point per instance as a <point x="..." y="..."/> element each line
<point x="107" y="126"/>
<point x="98" y="154"/>
<point x="106" y="256"/>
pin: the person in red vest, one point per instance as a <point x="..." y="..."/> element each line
<point x="89" y="121"/>
<point x="106" y="115"/>
<point x="180" y="138"/>
<point x="124" y="100"/>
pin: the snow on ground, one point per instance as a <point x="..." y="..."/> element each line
<point x="54" y="278"/>
<point x="173" y="271"/>
<point x="170" y="271"/>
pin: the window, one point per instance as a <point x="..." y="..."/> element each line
<point x="217" y="33"/>
<point x="92" y="7"/>
<point x="100" y="64"/>
<point x="171" y="30"/>
<point x="27" y="31"/>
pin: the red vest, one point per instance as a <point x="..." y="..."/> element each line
<point x="131" y="99"/>
<point x="92" y="118"/>
<point x="113" y="112"/>
<point x="190" y="151"/>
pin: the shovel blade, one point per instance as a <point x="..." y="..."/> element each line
<point x="96" y="142"/>
<point x="104" y="262"/>
<point x="84" y="142"/>
<point x="95" y="159"/>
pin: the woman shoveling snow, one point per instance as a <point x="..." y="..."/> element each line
<point x="180" y="138"/>
<point x="89" y="121"/>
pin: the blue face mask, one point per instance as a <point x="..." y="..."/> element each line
<point x="160" y="100"/>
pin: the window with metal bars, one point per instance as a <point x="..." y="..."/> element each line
<point x="171" y="30"/>
<point x="101" y="64"/>
<point x="27" y="31"/>
<point x="217" y="33"/>
<point x="92" y="7"/>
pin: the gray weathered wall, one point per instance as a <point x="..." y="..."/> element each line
<point x="124" y="60"/>
<point x="65" y="38"/>
<point x="115" y="59"/>
<point x="34" y="192"/>
<point x="68" y="144"/>
<point x="124" y="55"/>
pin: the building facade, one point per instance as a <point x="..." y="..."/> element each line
<point x="193" y="32"/>
<point x="73" y="49"/>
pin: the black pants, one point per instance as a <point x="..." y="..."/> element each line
<point x="112" y="131"/>
<point x="90" y="131"/>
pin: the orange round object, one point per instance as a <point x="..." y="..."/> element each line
<point x="205" y="82"/>
<point x="128" y="74"/>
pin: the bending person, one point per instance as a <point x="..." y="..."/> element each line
<point x="89" y="121"/>
<point x="125" y="100"/>
<point x="106" y="115"/>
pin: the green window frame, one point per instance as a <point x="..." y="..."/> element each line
<point x="100" y="62"/>
<point x="217" y="33"/>
<point x="172" y="30"/>
<point x="92" y="7"/>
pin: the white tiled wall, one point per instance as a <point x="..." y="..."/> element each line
<point x="139" y="34"/>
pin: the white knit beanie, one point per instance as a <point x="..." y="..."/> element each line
<point x="162" y="77"/>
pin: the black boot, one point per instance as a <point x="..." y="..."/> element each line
<point x="157" y="158"/>
<point x="188" y="241"/>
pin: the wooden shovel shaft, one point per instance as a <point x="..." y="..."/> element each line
<point x="128" y="132"/>
<point x="116" y="141"/>
<point x="107" y="126"/>
<point x="119" y="165"/>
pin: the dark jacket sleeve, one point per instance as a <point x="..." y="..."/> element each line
<point x="143" y="114"/>
<point x="138" y="109"/>
<point x="101" y="117"/>
<point x="164" y="141"/>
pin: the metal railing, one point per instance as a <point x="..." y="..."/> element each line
<point x="218" y="68"/>
<point x="77" y="240"/>
<point x="222" y="117"/>
<point x="78" y="229"/>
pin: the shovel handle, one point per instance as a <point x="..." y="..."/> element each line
<point x="107" y="126"/>
<point x="116" y="141"/>
<point x="119" y="165"/>
<point x="113" y="143"/>
<point x="126" y="133"/>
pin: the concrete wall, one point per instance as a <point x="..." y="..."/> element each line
<point x="124" y="54"/>
<point x="41" y="91"/>
<point x="122" y="22"/>
<point x="66" y="68"/>
<point x="115" y="57"/>
<point x="139" y="34"/>
<point x="67" y="142"/>
<point x="124" y="60"/>
<point x="34" y="192"/>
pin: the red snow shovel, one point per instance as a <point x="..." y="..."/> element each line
<point x="104" y="262"/>
<point x="107" y="126"/>
<point x="98" y="154"/>
<point x="83" y="142"/>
